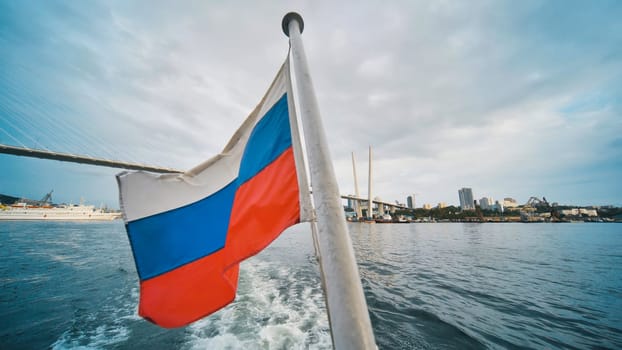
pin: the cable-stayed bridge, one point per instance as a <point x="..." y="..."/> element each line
<point x="360" y="203"/>
<point x="67" y="157"/>
<point x="386" y="206"/>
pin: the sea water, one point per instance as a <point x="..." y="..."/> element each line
<point x="428" y="286"/>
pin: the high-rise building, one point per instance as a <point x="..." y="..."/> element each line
<point x="486" y="203"/>
<point x="411" y="202"/>
<point x="466" y="198"/>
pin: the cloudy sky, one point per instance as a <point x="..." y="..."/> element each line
<point x="510" y="98"/>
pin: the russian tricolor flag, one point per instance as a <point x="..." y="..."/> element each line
<point x="190" y="231"/>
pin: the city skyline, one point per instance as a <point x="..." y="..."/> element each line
<point x="485" y="202"/>
<point x="513" y="99"/>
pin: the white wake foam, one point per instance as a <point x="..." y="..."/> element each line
<point x="277" y="307"/>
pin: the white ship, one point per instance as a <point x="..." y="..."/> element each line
<point x="43" y="210"/>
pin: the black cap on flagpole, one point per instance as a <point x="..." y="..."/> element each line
<point x="292" y="16"/>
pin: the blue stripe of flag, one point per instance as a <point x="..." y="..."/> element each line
<point x="171" y="239"/>
<point x="269" y="139"/>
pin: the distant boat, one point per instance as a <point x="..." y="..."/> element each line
<point x="401" y="220"/>
<point x="45" y="210"/>
<point x="23" y="211"/>
<point x="385" y="219"/>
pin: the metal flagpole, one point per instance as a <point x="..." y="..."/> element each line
<point x="348" y="314"/>
<point x="370" y="203"/>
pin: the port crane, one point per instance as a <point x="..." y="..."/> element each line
<point x="536" y="202"/>
<point x="542" y="205"/>
<point x="47" y="199"/>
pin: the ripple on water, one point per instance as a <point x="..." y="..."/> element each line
<point x="428" y="286"/>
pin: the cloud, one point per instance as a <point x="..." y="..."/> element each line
<point x="512" y="99"/>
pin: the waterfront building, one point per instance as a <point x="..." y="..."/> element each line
<point x="410" y="201"/>
<point x="466" y="198"/>
<point x="573" y="212"/>
<point x="427" y="206"/>
<point x="588" y="212"/>
<point x="509" y="202"/>
<point x="442" y="205"/>
<point x="498" y="207"/>
<point x="579" y="212"/>
<point x="485" y="203"/>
